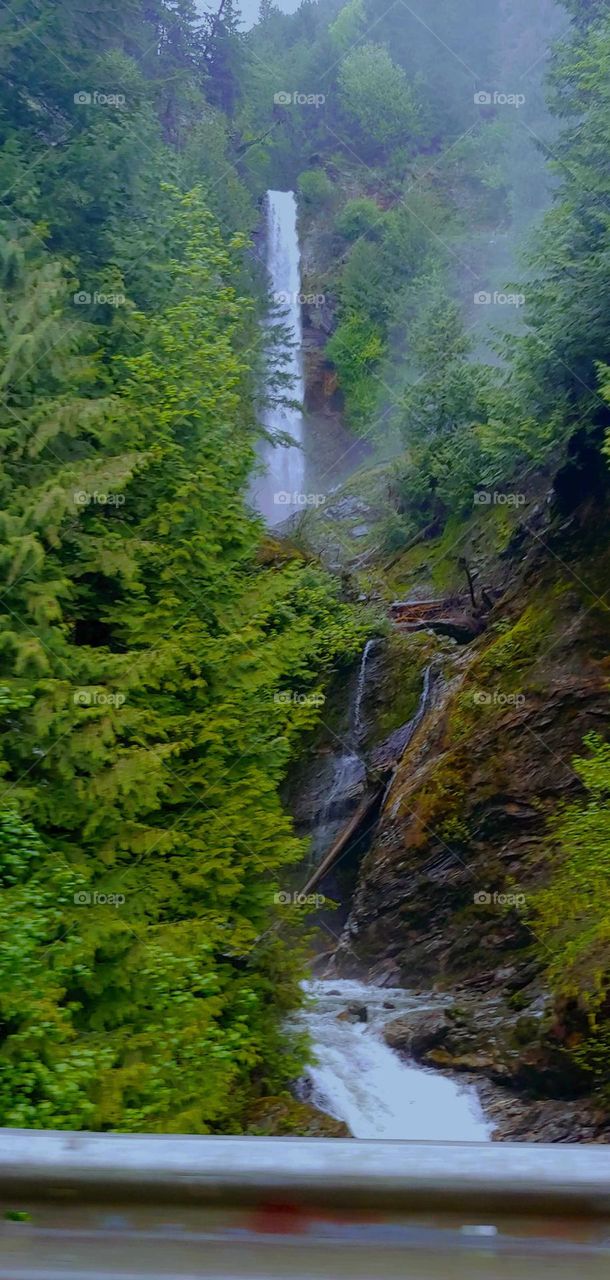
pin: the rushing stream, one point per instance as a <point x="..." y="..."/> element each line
<point x="358" y="1079"/>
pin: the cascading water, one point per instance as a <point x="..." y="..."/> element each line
<point x="357" y="1078"/>
<point x="280" y="490"/>
<point x="348" y="776"/>
<point x="368" y="648"/>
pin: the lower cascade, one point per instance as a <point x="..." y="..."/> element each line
<point x="357" y="1078"/>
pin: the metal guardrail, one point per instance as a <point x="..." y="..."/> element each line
<point x="560" y="1177"/>
<point x="102" y="1206"/>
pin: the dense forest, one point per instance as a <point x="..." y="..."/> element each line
<point x="150" y="625"/>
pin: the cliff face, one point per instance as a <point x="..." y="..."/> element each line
<point x="442" y="895"/>
<point x="465" y="816"/>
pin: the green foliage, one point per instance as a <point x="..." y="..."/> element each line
<point x="448" y="393"/>
<point x="359" y="218"/>
<point x="349" y="25"/>
<point x="355" y="348"/>
<point x="315" y="188"/>
<point x="145" y="969"/>
<point x="377" y="98"/>
<point x="603" y="371"/>
<point x="556" y="364"/>
<point x="143" y="649"/>
<point x="571" y="916"/>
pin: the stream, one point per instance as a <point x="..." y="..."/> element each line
<point x="357" y="1078"/>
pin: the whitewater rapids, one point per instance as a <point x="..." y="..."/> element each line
<point x="357" y="1078"/>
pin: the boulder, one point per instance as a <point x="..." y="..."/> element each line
<point x="354" y="1013"/>
<point x="416" y="1034"/>
<point x="482" y="1062"/>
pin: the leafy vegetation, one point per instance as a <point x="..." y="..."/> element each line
<point x="145" y="632"/>
<point x="572" y="914"/>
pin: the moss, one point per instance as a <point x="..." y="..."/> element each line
<point x="440" y="806"/>
<point x="454" y="831"/>
<point x="519" y="1000"/>
<point x="284" y="1116"/>
<point x="526" y="1031"/>
<point x="404" y="660"/>
<point x="517" y="647"/>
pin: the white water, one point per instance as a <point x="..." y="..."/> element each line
<point x="358" y="1079"/>
<point x="369" y="646"/>
<point x="280" y="491"/>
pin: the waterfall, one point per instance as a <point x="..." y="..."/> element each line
<point x="369" y="646"/>
<point x="347" y="783"/>
<point x="280" y="491"/>
<point x="357" y="1078"/>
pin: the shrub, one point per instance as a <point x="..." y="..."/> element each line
<point x="360" y="217"/>
<point x="315" y="188"/>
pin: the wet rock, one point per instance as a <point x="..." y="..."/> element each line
<point x="502" y="975"/>
<point x="385" y="974"/>
<point x="419" y="1032"/>
<point x="517" y="1118"/>
<point x="466" y="1062"/>
<point x="354" y="1013"/>
<point x="346" y="509"/>
<point x="287" y="1117"/>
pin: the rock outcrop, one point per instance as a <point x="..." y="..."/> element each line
<point x="444" y="893"/>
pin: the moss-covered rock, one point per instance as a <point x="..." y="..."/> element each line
<point x="284" y="1117"/>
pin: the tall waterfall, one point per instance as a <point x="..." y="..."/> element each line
<point x="280" y="491"/>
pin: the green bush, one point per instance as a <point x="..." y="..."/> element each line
<point x="315" y="188"/>
<point x="377" y="98"/>
<point x="358" y="218"/>
<point x="571" y="916"/>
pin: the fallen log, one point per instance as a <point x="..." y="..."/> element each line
<point x="364" y="808"/>
<point x="451" y="616"/>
